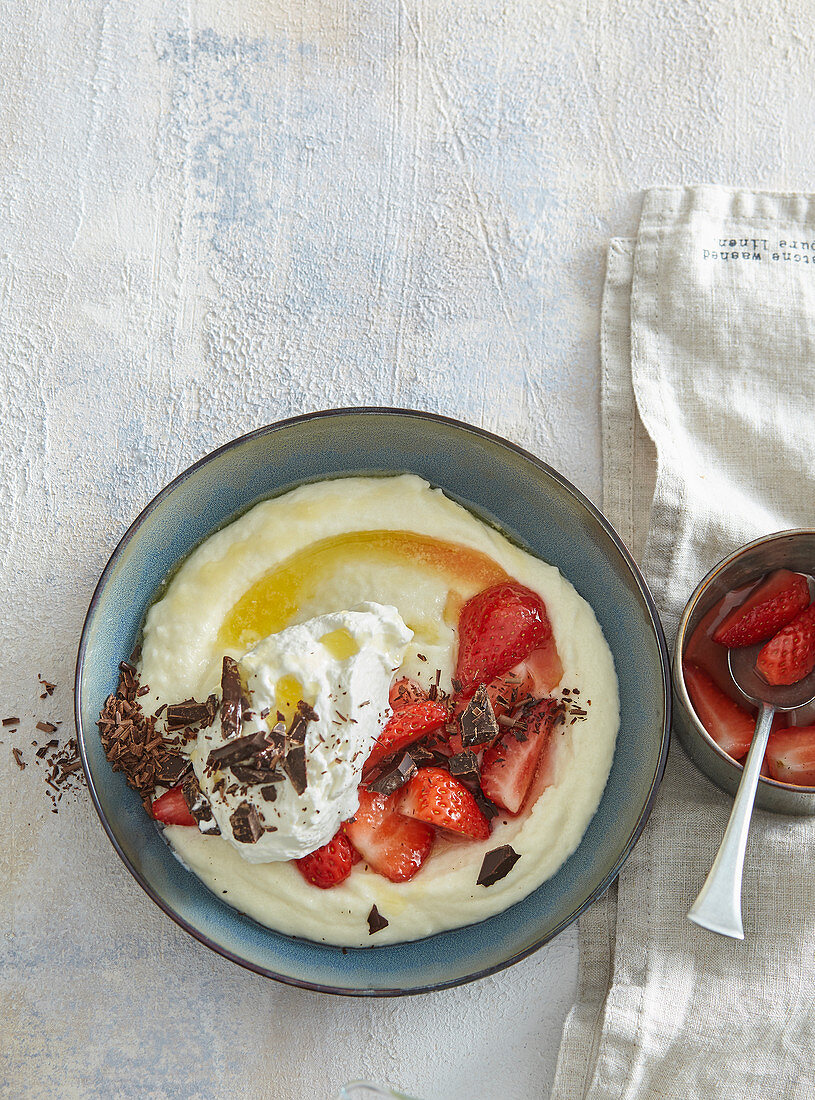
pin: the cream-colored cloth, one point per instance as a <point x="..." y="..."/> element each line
<point x="708" y="348"/>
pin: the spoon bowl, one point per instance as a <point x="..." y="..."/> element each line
<point x="753" y="686"/>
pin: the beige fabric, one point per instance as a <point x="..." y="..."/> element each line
<point x="720" y="365"/>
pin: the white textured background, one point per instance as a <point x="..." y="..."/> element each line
<point x="216" y="214"/>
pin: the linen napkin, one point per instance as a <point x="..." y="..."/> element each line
<point x="708" y="358"/>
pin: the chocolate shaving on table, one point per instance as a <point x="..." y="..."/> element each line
<point x="497" y="865"/>
<point x="49" y="688"/>
<point x="394" y="778"/>
<point x="46" y="727"/>
<point x="478" y="722"/>
<point x="376" y="922"/>
<point x="18" y="759"/>
<point x="247" y="828"/>
<point x="231" y="698"/>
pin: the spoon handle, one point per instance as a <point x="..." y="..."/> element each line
<point x="718" y="906"/>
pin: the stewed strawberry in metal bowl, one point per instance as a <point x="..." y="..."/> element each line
<point x="760" y="600"/>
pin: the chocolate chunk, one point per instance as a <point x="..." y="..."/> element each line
<point x="478" y="724"/>
<point x="47" y="727"/>
<point x="269" y="794"/>
<point x="395" y="777"/>
<point x="497" y="864"/>
<point x="247" y="828"/>
<point x="248" y="774"/>
<point x="376" y="922"/>
<point x="464" y="766"/>
<point x="197" y="802"/>
<point x="423" y="754"/>
<point x="11" y="721"/>
<point x="188" y="713"/>
<point x="294" y="765"/>
<point x="238" y="750"/>
<point x="306" y="711"/>
<point x="232" y="698"/>
<point x="172" y="767"/>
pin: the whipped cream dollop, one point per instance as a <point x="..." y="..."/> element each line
<point x="341" y="665"/>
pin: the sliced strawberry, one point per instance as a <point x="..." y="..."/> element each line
<point x="790" y="655"/>
<point x="405" y="692"/>
<point x="393" y="845"/>
<point x="544" y="669"/>
<point x="405" y="726"/>
<point x="509" y="765"/>
<point x="769" y="607"/>
<point x="498" y="628"/>
<point x="171" y="809"/>
<point x="329" y="864"/>
<point x="730" y="727"/>
<point x="435" y="796"/>
<point x="791" y="755"/>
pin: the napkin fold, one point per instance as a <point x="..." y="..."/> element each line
<point x="708" y="366"/>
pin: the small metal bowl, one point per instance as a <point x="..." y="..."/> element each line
<point x="784" y="550"/>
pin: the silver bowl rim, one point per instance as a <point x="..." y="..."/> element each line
<point x="678" y="675"/>
<point x="583" y="501"/>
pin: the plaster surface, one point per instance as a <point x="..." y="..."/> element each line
<point x="215" y="215"/>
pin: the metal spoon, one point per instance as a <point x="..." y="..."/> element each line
<point x="718" y="906"/>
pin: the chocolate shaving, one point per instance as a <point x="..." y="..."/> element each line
<point x="394" y="778"/>
<point x="232" y="698"/>
<point x="497" y="865"/>
<point x="376" y="922"/>
<point x="129" y="737"/>
<point x="49" y="688"/>
<point x="46" y="727"/>
<point x="478" y="723"/>
<point x="248" y="774"/>
<point x="18" y="759"/>
<point x="11" y="721"/>
<point x="198" y="805"/>
<point x="247" y="828"/>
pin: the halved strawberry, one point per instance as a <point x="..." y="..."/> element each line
<point x="543" y="667"/>
<point x="405" y="726"/>
<point x="393" y="845"/>
<point x="171" y="809"/>
<point x="769" y="607"/>
<point x="498" y="628"/>
<point x="435" y="796"/>
<point x="405" y="692"/>
<point x="509" y="765"/>
<point x="790" y="655"/>
<point x="790" y="755"/>
<point x="330" y="864"/>
<point x="730" y="727"/>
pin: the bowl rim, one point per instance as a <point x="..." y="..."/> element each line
<point x="581" y="499"/>
<point x="679" y="676"/>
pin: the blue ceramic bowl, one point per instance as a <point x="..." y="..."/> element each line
<point x="534" y="506"/>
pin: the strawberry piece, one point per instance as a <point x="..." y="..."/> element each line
<point x="769" y="607"/>
<point x="171" y="809"/>
<point x="392" y="845"/>
<point x="509" y="766"/>
<point x="544" y="669"/>
<point x="435" y="796"/>
<point x="498" y="628"/>
<point x="330" y="864"/>
<point x="728" y="724"/>
<point x="405" y="726"/>
<point x="790" y="655"/>
<point x="790" y="755"/>
<point x="405" y="692"/>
